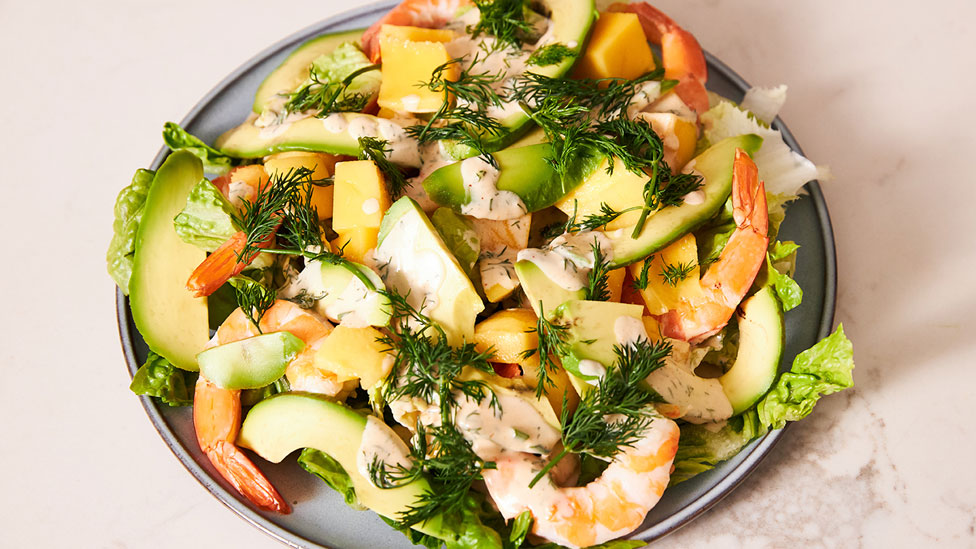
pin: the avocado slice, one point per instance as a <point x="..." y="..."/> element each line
<point x="279" y="425"/>
<point x="523" y="170"/>
<point x="459" y="235"/>
<point x="760" y="348"/>
<point x="250" y="363"/>
<point x="669" y="224"/>
<point x="414" y="261"/>
<point x="172" y="321"/>
<point x="544" y="294"/>
<point x="592" y="332"/>
<point x="293" y="71"/>
<point x="345" y="292"/>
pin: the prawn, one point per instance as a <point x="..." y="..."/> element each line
<point x="728" y="279"/>
<point x="428" y="14"/>
<point x="217" y="411"/>
<point x="681" y="54"/>
<point x="613" y="505"/>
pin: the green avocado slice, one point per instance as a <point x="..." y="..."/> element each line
<point x="760" y="348"/>
<point x="172" y="321"/>
<point x="250" y="363"/>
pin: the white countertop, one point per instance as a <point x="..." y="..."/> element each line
<point x="882" y="95"/>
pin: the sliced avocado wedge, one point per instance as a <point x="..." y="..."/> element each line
<point x="523" y="170"/>
<point x="293" y="71"/>
<point x="760" y="348"/>
<point x="592" y="332"/>
<point x="250" y="363"/>
<point x="172" y="321"/>
<point x="668" y="224"/>
<point x="414" y="261"/>
<point x="279" y="425"/>
<point x="544" y="294"/>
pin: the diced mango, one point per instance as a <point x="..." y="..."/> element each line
<point x="356" y="244"/>
<point x="361" y="197"/>
<point x="659" y="296"/>
<point x="416" y="34"/>
<point x="617" y="49"/>
<point x="407" y="63"/>
<point x="678" y="135"/>
<point x="386" y="113"/>
<point x="615" y="283"/>
<point x="353" y="353"/>
<point x="621" y="190"/>
<point x="322" y="166"/>
<point x="652" y="328"/>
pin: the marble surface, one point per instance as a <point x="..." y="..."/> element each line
<point x="881" y="95"/>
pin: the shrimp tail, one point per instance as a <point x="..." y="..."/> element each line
<point x="245" y="477"/>
<point x="225" y="262"/>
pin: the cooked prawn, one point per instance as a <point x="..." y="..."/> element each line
<point x="428" y="14"/>
<point x="611" y="506"/>
<point x="217" y="411"/>
<point x="681" y="54"/>
<point x="730" y="277"/>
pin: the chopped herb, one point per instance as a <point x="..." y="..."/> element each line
<point x="672" y="274"/>
<point x="551" y="54"/>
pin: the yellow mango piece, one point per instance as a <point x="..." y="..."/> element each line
<point x="356" y="244"/>
<point x="416" y="34"/>
<point x="617" y="49"/>
<point x="386" y="113"/>
<point x="652" y="328"/>
<point x="406" y="63"/>
<point x="678" y="135"/>
<point x="354" y="353"/>
<point x="361" y="197"/>
<point x="659" y="296"/>
<point x="621" y="190"/>
<point x="615" y="283"/>
<point x="322" y="166"/>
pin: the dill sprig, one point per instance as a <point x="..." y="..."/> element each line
<point x="604" y="98"/>
<point x="597" y="281"/>
<point x="663" y="190"/>
<point x="253" y="298"/>
<point x="591" y="222"/>
<point x="328" y="97"/>
<point x="551" y="54"/>
<point x="375" y="149"/>
<point x="503" y="19"/>
<point x="553" y="341"/>
<point x="642" y="280"/>
<point x="614" y="414"/>
<point x="672" y="274"/>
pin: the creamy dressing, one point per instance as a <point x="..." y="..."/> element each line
<point x="589" y="367"/>
<point x="485" y="201"/>
<point x="515" y="425"/>
<point x="418" y="274"/>
<point x="350" y="306"/>
<point x="363" y="126"/>
<point x="694" y="198"/>
<point x="371" y="206"/>
<point x="497" y="268"/>
<point x="628" y="330"/>
<point x="381" y="443"/>
<point x="335" y="123"/>
<point x="699" y="400"/>
<point x="670" y="102"/>
<point x="646" y="94"/>
<point x="568" y="259"/>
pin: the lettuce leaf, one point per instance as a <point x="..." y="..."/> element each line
<point x="331" y="471"/>
<point x="780" y="264"/>
<point x="159" y="379"/>
<point x="823" y="369"/>
<point x="520" y="528"/>
<point x="128" y="214"/>
<point x="207" y="220"/>
<point x="214" y="161"/>
<point x="765" y="103"/>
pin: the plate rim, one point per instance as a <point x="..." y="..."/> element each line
<point x="683" y="516"/>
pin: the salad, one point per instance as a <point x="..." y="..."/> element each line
<point x="498" y="269"/>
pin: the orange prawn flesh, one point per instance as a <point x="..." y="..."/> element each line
<point x="611" y="506"/>
<point x="681" y="54"/>
<point x="217" y="411"/>
<point x="727" y="280"/>
<point x="428" y="14"/>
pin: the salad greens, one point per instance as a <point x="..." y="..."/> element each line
<point x="214" y="161"/>
<point x="160" y="379"/>
<point x="128" y="213"/>
<point x="207" y="221"/>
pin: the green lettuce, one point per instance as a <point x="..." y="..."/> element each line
<point x="520" y="528"/>
<point x="128" y="214"/>
<point x="337" y="65"/>
<point x="214" y="161"/>
<point x="207" y="221"/>
<point x="780" y="264"/>
<point x="329" y="470"/>
<point x="823" y="369"/>
<point x="159" y="379"/>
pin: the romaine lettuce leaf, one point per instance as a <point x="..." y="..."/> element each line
<point x="341" y="62"/>
<point x="780" y="264"/>
<point x="329" y="470"/>
<point x="214" y="161"/>
<point x="128" y="214"/>
<point x="207" y="220"/>
<point x="160" y="379"/>
<point x="823" y="369"/>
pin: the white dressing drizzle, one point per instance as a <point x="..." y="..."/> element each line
<point x="515" y="426"/>
<point x="380" y="443"/>
<point x="568" y="259"/>
<point x="485" y="201"/>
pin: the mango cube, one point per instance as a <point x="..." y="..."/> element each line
<point x="510" y="333"/>
<point x="660" y="296"/>
<point x="356" y="244"/>
<point x="678" y="135"/>
<point x="621" y="190"/>
<point x="361" y="197"/>
<point x="322" y="166"/>
<point x="615" y="283"/>
<point x="618" y="49"/>
<point x="354" y="353"/>
<point x="410" y="56"/>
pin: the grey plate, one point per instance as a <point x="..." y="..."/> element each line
<point x="320" y="517"/>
